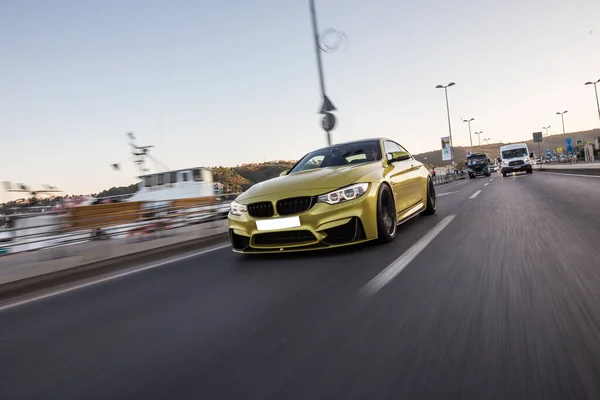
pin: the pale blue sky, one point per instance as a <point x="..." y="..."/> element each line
<point x="234" y="81"/>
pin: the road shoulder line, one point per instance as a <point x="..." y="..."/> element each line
<point x="111" y="277"/>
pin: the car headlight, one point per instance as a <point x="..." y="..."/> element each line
<point x="344" y="194"/>
<point x="504" y="162"/>
<point x="236" y="208"/>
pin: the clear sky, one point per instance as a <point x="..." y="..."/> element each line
<point x="234" y="81"/>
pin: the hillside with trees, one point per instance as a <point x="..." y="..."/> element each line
<point x="240" y="178"/>
<point x="235" y="179"/>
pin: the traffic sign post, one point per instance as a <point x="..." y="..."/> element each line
<point x="537" y="138"/>
<point x="569" y="145"/>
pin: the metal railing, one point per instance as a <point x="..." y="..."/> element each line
<point x="46" y="230"/>
<point x="447" y="178"/>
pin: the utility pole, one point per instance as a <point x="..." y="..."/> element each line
<point x="329" y="121"/>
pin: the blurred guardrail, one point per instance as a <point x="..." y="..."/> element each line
<point x="447" y="178"/>
<point x="108" y="221"/>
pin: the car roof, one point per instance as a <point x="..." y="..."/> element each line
<point x="353" y="141"/>
<point x="513" y="146"/>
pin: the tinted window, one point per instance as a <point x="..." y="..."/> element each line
<point x="173" y="177"/>
<point x="197" y="175"/>
<point x="184" y="176"/>
<point x="160" y="179"/>
<point x="338" y="155"/>
<point x="522" y="152"/>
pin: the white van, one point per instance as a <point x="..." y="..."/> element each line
<point x="515" y="158"/>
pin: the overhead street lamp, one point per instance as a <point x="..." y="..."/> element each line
<point x="562" y="116"/>
<point x="546" y="128"/>
<point x="449" y="125"/>
<point x="469" y="122"/>
<point x="595" y="90"/>
<point x="478" y="136"/>
<point x="487" y="141"/>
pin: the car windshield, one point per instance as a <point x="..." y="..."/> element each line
<point x="521" y="152"/>
<point x="338" y="155"/>
<point x="477" y="160"/>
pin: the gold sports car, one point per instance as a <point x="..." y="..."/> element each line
<point x="340" y="195"/>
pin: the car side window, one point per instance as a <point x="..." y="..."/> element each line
<point x="391" y="148"/>
<point x="402" y="149"/>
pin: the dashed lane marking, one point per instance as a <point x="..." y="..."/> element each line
<point x="392" y="270"/>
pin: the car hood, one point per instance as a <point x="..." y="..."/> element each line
<point x="312" y="182"/>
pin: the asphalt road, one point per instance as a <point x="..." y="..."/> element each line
<point x="504" y="303"/>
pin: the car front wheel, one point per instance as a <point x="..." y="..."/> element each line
<point x="431" y="199"/>
<point x="387" y="224"/>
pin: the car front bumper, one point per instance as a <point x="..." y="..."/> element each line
<point x="516" y="168"/>
<point x="322" y="226"/>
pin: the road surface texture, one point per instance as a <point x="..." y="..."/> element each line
<point x="495" y="297"/>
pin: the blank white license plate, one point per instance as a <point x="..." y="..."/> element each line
<point x="278" y="223"/>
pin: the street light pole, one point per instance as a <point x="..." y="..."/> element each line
<point x="546" y="128"/>
<point x="562" y="116"/>
<point x="470" y="137"/>
<point x="449" y="125"/>
<point x="478" y="136"/>
<point x="595" y="90"/>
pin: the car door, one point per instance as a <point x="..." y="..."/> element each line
<point x="399" y="177"/>
<point x="415" y="184"/>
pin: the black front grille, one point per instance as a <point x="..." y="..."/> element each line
<point x="295" y="205"/>
<point x="261" y="210"/>
<point x="287" y="237"/>
<point x="513" y="163"/>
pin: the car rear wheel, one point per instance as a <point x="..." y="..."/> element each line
<point x="387" y="225"/>
<point x="431" y="199"/>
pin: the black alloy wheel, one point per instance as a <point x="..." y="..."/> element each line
<point x="387" y="225"/>
<point x="431" y="199"/>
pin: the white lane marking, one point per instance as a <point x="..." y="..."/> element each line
<point x="486" y="184"/>
<point x="110" y="278"/>
<point x="386" y="276"/>
<point x="444" y="194"/>
<point x="563" y="174"/>
<point x="475" y="194"/>
<point x="491" y="179"/>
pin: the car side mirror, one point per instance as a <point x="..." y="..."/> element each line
<point x="399" y="156"/>
<point x="402" y="158"/>
<point x="284" y="173"/>
<point x="499" y="159"/>
<point x="531" y="155"/>
<point x="489" y="161"/>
